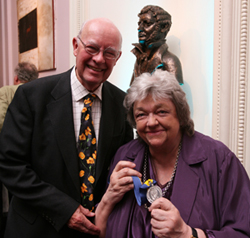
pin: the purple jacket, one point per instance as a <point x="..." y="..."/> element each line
<point x="211" y="189"/>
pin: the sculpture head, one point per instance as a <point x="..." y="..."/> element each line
<point x="153" y="25"/>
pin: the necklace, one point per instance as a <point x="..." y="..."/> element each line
<point x="157" y="192"/>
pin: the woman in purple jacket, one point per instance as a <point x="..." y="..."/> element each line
<point x="198" y="189"/>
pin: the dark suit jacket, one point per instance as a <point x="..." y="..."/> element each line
<point x="38" y="158"/>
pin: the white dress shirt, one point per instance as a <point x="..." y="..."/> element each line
<point x="78" y="92"/>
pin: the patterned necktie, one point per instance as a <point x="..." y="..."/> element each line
<point x="87" y="154"/>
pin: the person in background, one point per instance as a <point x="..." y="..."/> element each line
<point x="199" y="188"/>
<point x="24" y="73"/>
<point x="46" y="155"/>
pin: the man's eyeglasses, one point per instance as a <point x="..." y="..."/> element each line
<point x="108" y="53"/>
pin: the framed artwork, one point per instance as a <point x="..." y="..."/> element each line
<point x="36" y="33"/>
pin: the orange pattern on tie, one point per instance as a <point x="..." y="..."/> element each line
<point x="87" y="154"/>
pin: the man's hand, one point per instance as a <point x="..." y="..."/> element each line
<point x="80" y="222"/>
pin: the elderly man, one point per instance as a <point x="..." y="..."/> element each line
<point x="152" y="52"/>
<point x="55" y="167"/>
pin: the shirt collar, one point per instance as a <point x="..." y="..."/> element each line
<point x="79" y="91"/>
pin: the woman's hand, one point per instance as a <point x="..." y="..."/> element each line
<point x="121" y="180"/>
<point x="120" y="183"/>
<point x="166" y="220"/>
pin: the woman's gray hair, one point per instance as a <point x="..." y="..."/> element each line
<point x="160" y="85"/>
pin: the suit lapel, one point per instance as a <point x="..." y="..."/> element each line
<point x="107" y="128"/>
<point x="61" y="116"/>
<point x="187" y="181"/>
<point x="184" y="191"/>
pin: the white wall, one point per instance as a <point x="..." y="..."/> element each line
<point x="190" y="38"/>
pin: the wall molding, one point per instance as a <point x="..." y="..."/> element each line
<point x="242" y="87"/>
<point x="8" y="41"/>
<point x="230" y="83"/>
<point x="79" y="12"/>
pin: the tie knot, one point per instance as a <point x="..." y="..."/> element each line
<point x="88" y="99"/>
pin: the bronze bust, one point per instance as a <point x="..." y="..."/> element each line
<point x="152" y="51"/>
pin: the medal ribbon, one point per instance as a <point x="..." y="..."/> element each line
<point x="140" y="189"/>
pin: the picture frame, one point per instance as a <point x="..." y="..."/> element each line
<point x="36" y="33"/>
